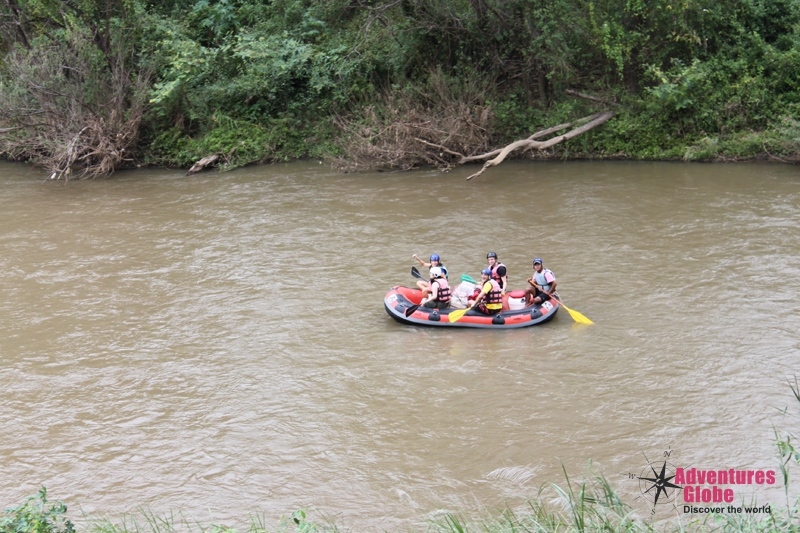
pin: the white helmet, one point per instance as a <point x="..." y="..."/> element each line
<point x="436" y="272"/>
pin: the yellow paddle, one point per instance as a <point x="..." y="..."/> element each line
<point x="576" y="316"/>
<point x="455" y="316"/>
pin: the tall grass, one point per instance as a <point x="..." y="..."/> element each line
<point x="594" y="506"/>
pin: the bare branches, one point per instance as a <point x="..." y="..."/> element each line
<point x="530" y="144"/>
<point x="537" y="135"/>
<point x="64" y="114"/>
<point x="440" y="126"/>
<point x="18" y="22"/>
<point x="440" y="147"/>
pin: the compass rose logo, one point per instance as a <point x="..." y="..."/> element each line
<point x="656" y="481"/>
<point x="656" y="485"/>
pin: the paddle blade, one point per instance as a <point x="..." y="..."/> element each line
<point x="576" y="316"/>
<point x="455" y="316"/>
<point x="410" y="310"/>
<point x="468" y="279"/>
<point x="415" y="273"/>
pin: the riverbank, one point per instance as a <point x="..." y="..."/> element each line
<point x="391" y="135"/>
<point x="254" y="145"/>
<point x="777" y="146"/>
<point x="591" y="505"/>
<point x="395" y="84"/>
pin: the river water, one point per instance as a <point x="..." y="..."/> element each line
<point x="217" y="344"/>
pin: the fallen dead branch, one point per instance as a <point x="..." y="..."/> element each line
<point x="203" y="163"/>
<point x="529" y="144"/>
<point x="443" y="124"/>
<point x="537" y="135"/>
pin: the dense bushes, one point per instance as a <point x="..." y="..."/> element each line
<point x="259" y="80"/>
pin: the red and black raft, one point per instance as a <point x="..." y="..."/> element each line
<point x="399" y="299"/>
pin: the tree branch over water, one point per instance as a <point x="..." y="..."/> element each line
<point x="445" y="124"/>
<point x="530" y="144"/>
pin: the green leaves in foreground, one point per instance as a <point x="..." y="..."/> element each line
<point x="36" y="515"/>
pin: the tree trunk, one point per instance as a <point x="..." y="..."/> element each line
<point x="544" y="97"/>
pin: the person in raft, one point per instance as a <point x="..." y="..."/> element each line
<point x="499" y="272"/>
<point x="439" y="296"/>
<point x="490" y="299"/>
<point x="435" y="262"/>
<point x="543" y="284"/>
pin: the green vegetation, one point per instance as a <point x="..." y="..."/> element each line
<point x="98" y="84"/>
<point x="591" y="506"/>
<point x="36" y="515"/>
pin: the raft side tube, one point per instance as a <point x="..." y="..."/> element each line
<point x="399" y="299"/>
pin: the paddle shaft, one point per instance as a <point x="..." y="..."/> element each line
<point x="576" y="316"/>
<point x="534" y="284"/>
<point x="550" y="295"/>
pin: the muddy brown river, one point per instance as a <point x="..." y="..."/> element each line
<point x="217" y="344"/>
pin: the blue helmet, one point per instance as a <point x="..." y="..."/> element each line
<point x="435" y="257"/>
<point x="538" y="260"/>
<point x="487" y="271"/>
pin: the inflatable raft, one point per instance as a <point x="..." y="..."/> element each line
<point x="399" y="299"/>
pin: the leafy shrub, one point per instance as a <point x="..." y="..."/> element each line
<point x="36" y="515"/>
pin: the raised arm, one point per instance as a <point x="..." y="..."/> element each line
<point x="421" y="262"/>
